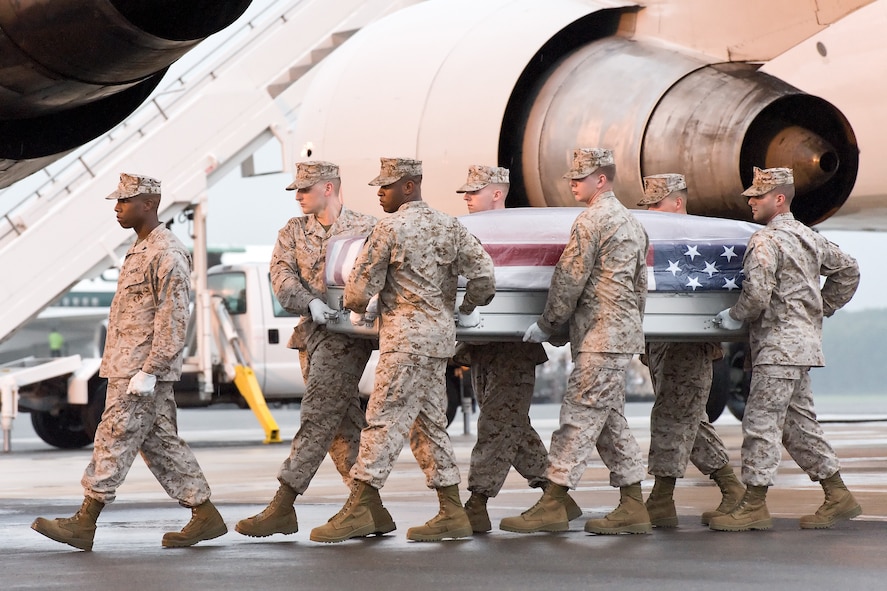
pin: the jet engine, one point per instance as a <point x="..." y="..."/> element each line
<point x="520" y="84"/>
<point x="73" y="69"/>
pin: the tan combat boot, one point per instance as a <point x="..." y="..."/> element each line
<point x="731" y="492"/>
<point x="450" y="522"/>
<point x="660" y="503"/>
<point x="548" y="514"/>
<point x="77" y="530"/>
<point x="751" y="513"/>
<point x="279" y="517"/>
<point x="630" y="517"/>
<point x="354" y="519"/>
<point x="205" y="524"/>
<point x="476" y="509"/>
<point x="839" y="504"/>
<point x="381" y="517"/>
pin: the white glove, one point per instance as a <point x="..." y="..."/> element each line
<point x="372" y="310"/>
<point x="142" y="384"/>
<point x="320" y="312"/>
<point x="535" y="334"/>
<point x="725" y="321"/>
<point x="468" y="320"/>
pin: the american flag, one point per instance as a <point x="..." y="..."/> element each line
<point x="694" y="266"/>
<point x="687" y="253"/>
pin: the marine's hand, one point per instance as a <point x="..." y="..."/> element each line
<point x="142" y="384"/>
<point x="372" y="310"/>
<point x="468" y="320"/>
<point x="534" y="334"/>
<point x="725" y="321"/>
<point x="320" y="312"/>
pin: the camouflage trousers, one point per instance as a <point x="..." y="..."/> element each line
<point x="592" y="415"/>
<point x="330" y="417"/>
<point x="503" y="376"/>
<point x="780" y="408"/>
<point x="409" y="399"/>
<point x="134" y="424"/>
<point x="679" y="428"/>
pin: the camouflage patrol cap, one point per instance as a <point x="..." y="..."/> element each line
<point x="479" y="176"/>
<point x="131" y="185"/>
<point x="311" y="172"/>
<point x="768" y="179"/>
<point x="394" y="169"/>
<point x="659" y="186"/>
<point x="587" y="160"/>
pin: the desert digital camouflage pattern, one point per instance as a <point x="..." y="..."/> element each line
<point x="603" y="303"/>
<point x="298" y="261"/>
<point x="592" y="417"/>
<point x="679" y="429"/>
<point x="783" y="304"/>
<point x="587" y="160"/>
<point x="503" y="376"/>
<point x="146" y="331"/>
<point x="331" y="418"/>
<point x="781" y="299"/>
<point x="150" y="310"/>
<point x="659" y="186"/>
<point x="413" y="259"/>
<point x="392" y="170"/>
<point x="767" y="179"/>
<point x="131" y="185"/>
<point x="146" y="425"/>
<point x="409" y="401"/>
<point x="480" y="175"/>
<point x="311" y="172"/>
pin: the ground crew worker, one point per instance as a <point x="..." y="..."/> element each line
<point x="332" y="363"/>
<point x="599" y="286"/>
<point x="412" y="260"/>
<point x="783" y="304"/>
<point x="142" y="359"/>
<point x="503" y="376"/>
<point x="56" y="342"/>
<point x="681" y="375"/>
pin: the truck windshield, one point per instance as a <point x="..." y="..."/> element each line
<point x="231" y="287"/>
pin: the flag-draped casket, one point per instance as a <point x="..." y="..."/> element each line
<point x="694" y="270"/>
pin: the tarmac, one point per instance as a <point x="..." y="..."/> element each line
<point x="37" y="480"/>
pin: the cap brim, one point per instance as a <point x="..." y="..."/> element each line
<point x="468" y="187"/>
<point x="756" y="191"/>
<point x="381" y="181"/>
<point x="118" y="195"/>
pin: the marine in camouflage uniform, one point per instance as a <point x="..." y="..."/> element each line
<point x="503" y="376"/>
<point x="332" y="363"/>
<point x="142" y="359"/>
<point x="783" y="304"/>
<point x="412" y="260"/>
<point x="681" y="374"/>
<point x="599" y="286"/>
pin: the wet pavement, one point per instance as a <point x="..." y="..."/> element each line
<point x="36" y="479"/>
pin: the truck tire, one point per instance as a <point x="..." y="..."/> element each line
<point x="63" y="429"/>
<point x="720" y="390"/>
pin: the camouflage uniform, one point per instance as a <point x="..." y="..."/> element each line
<point x="600" y="286"/>
<point x="783" y="304"/>
<point x="412" y="260"/>
<point x="332" y="363"/>
<point x="679" y="429"/>
<point x="146" y="331"/>
<point x="503" y="376"/>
